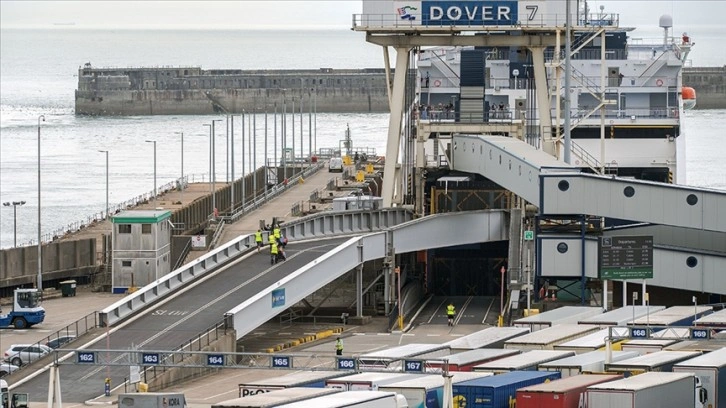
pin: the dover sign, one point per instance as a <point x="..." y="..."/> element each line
<point x="474" y="13"/>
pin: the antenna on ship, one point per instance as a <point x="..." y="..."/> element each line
<point x="665" y="22"/>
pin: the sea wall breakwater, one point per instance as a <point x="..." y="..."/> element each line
<point x="194" y="91"/>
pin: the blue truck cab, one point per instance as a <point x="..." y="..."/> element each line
<point x="26" y="311"/>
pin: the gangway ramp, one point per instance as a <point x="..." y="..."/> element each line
<point x="559" y="189"/>
<point x="437" y="231"/>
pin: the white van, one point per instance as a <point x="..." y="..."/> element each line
<point x="336" y="164"/>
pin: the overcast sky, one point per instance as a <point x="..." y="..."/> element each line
<point x="300" y="13"/>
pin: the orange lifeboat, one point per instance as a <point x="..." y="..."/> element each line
<point x="689" y="97"/>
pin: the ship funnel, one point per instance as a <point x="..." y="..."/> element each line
<point x="665" y="22"/>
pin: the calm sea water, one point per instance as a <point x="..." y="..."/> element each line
<point x="38" y="75"/>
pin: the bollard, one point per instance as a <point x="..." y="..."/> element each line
<point x="107" y="387"/>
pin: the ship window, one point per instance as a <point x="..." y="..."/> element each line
<point x="629" y="191"/>
<point x="563" y="185"/>
<point x="186" y="72"/>
<point x="691" y="261"/>
<point x="124" y="228"/>
<point x="692" y="199"/>
<point x="126" y="264"/>
<point x="146" y="228"/>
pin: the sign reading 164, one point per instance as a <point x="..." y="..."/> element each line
<point x="215" y="359"/>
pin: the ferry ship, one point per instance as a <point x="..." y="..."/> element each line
<point x="625" y="106"/>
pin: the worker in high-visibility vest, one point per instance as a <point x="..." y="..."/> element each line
<point x="258" y="239"/>
<point x="273" y="251"/>
<point x="450" y="312"/>
<point x="276" y="232"/>
<point x="338" y="347"/>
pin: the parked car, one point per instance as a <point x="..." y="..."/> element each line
<point x="7" y="368"/>
<point x="20" y="354"/>
<point x="59" y="341"/>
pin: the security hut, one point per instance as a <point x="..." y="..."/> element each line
<point x="141" y="248"/>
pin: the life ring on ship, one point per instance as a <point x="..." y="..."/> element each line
<point x="437" y="83"/>
<point x="659" y="82"/>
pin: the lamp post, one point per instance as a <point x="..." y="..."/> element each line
<point x="39" y="282"/>
<point x="181" y="182"/>
<point x="15" y="205"/>
<point x="214" y="170"/>
<point x="154" y="142"/>
<point x="107" y="208"/>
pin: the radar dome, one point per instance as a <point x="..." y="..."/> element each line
<point x="665" y="21"/>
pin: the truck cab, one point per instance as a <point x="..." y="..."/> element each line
<point x="27" y="310"/>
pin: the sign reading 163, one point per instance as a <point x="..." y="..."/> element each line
<point x="149" y="358"/>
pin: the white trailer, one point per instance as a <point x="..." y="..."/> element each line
<point x="711" y="370"/>
<point x="427" y="392"/>
<point x="308" y="379"/>
<point x="353" y="399"/>
<point x="658" y="361"/>
<point x="703" y="346"/>
<point x="546" y="339"/>
<point x="717" y="319"/>
<point x="592" y="362"/>
<point x="673" y="316"/>
<point x="621" y="316"/>
<point x="491" y="337"/>
<point x="367" y="381"/>
<point x="276" y="398"/>
<point x="528" y="361"/>
<point x="649" y="390"/>
<point x="645" y="346"/>
<point x="464" y="361"/>
<point x="392" y="357"/>
<point x="593" y="341"/>
<point x="562" y="315"/>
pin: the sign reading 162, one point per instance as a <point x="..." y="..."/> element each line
<point x="86" y="357"/>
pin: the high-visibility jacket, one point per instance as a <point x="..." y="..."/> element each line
<point x="339" y="344"/>
<point x="450" y="310"/>
<point x="276" y="232"/>
<point x="258" y="236"/>
<point x="273" y="248"/>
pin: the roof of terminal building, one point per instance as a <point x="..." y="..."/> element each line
<point x="141" y="216"/>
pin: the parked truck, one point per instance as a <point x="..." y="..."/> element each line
<point x="498" y="391"/>
<point x="710" y="369"/>
<point x="275" y="398"/>
<point x="353" y="399"/>
<point x="564" y="393"/>
<point x="26" y="311"/>
<point x="654" y="389"/>
<point x="428" y="391"/>
<point x="307" y="379"/>
<point x="152" y="400"/>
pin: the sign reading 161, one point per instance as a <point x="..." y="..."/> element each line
<point x="149" y="358"/>
<point x="281" y="362"/>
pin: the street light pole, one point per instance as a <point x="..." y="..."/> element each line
<point x="181" y="182"/>
<point x="154" y="142"/>
<point x="214" y="169"/>
<point x="107" y="208"/>
<point x="15" y="205"/>
<point x="40" y="243"/>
